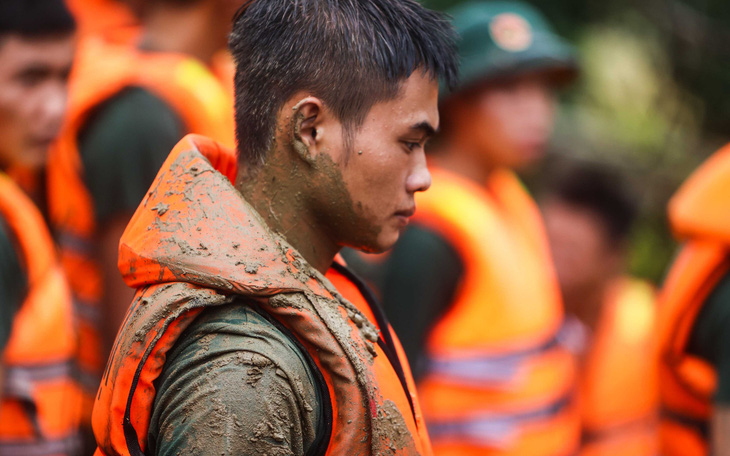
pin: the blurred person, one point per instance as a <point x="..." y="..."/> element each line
<point x="236" y="343"/>
<point x="39" y="399"/>
<point x="470" y="287"/>
<point x="695" y="315"/>
<point x="129" y="105"/>
<point x="610" y="317"/>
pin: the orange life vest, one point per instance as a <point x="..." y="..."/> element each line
<point x="700" y="216"/>
<point x="193" y="243"/>
<point x="102" y="70"/>
<point x="497" y="381"/>
<point x="619" y="382"/>
<point x="40" y="406"/>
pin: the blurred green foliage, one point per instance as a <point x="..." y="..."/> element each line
<point x="652" y="99"/>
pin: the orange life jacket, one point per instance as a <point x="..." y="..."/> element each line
<point x="497" y="381"/>
<point x="619" y="387"/>
<point x="102" y="70"/>
<point x="40" y="404"/>
<point x="194" y="243"/>
<point x="700" y="216"/>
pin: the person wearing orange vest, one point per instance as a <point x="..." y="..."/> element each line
<point x="236" y="342"/>
<point x="39" y="398"/>
<point x="610" y="321"/>
<point x="129" y="105"/>
<point x="470" y="287"/>
<point x="694" y="315"/>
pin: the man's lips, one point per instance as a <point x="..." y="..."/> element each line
<point x="407" y="213"/>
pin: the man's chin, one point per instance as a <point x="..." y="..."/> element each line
<point x="379" y="246"/>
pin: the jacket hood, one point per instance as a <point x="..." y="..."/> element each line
<point x="194" y="226"/>
<point x="701" y="208"/>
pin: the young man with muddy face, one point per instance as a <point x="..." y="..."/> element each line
<point x="470" y="286"/>
<point x="236" y="342"/>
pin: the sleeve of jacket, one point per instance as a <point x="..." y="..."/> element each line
<point x="234" y="384"/>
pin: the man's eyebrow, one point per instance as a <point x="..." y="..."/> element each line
<point x="425" y="127"/>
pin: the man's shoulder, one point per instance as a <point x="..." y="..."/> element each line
<point x="236" y="361"/>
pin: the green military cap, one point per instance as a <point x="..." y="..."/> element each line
<point x="502" y="39"/>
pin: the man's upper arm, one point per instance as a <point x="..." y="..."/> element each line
<point x="235" y="384"/>
<point x="13" y="284"/>
<point x="122" y="148"/>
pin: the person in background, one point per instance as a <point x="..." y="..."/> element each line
<point x="470" y="287"/>
<point x="236" y="343"/>
<point x="129" y="105"/>
<point x="695" y="315"/>
<point x="39" y="398"/>
<point x="610" y="317"/>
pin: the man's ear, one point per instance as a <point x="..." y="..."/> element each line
<point x="305" y="128"/>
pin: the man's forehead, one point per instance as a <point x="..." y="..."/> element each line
<point x="417" y="104"/>
<point x="53" y="48"/>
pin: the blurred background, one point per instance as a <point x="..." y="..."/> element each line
<point x="651" y="101"/>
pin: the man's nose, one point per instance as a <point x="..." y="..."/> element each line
<point x="420" y="178"/>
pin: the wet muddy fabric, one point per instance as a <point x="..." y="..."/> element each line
<point x="258" y="370"/>
<point x="195" y="244"/>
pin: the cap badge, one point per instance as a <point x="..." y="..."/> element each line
<point x="511" y="32"/>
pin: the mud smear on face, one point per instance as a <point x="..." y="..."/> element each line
<point x="305" y="198"/>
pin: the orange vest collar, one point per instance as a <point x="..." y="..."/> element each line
<point x="190" y="226"/>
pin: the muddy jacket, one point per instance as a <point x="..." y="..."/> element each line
<point x="194" y="243"/>
<point x="40" y="407"/>
<point x="700" y="217"/>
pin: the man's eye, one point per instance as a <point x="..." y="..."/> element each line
<point x="32" y="77"/>
<point x="412" y="145"/>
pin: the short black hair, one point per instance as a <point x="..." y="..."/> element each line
<point x="600" y="190"/>
<point x="35" y="18"/>
<point x="350" y="53"/>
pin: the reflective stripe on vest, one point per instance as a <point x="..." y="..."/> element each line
<point x="494" y="362"/>
<point x="495" y="369"/>
<point x="39" y="411"/>
<point x="102" y="70"/>
<point x="494" y="429"/>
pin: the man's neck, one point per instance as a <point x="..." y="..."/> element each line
<point x="284" y="212"/>
<point x="191" y="30"/>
